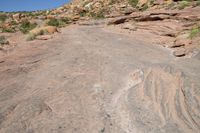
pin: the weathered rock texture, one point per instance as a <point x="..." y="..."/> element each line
<point x="89" y="80"/>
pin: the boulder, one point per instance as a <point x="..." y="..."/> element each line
<point x="40" y="30"/>
<point x="3" y="40"/>
<point x="75" y="18"/>
<point x="179" y="52"/>
<point x="181" y="42"/>
<point x="17" y="17"/>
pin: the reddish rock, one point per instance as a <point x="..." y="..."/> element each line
<point x="179" y="52"/>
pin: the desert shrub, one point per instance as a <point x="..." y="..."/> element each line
<point x="98" y="15"/>
<point x="13" y="22"/>
<point x="8" y="30"/>
<point x="133" y="3"/>
<point x="3" y="17"/>
<point x="198" y="3"/>
<point x="53" y="22"/>
<point x="3" y="40"/>
<point x="183" y="4"/>
<point x="195" y="31"/>
<point x="145" y="7"/>
<point x="65" y="20"/>
<point x="83" y="14"/>
<point x="112" y="2"/>
<point x="58" y="22"/>
<point x="171" y="5"/>
<point x="151" y="2"/>
<point x="26" y="26"/>
<point x="30" y="37"/>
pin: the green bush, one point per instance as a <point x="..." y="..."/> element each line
<point x="3" y="40"/>
<point x="198" y="3"/>
<point x="30" y="37"/>
<point x="112" y="2"/>
<point x="13" y="22"/>
<point x="195" y="31"/>
<point x="151" y="2"/>
<point x="183" y="4"/>
<point x="65" y="20"/>
<point x="26" y="26"/>
<point x="8" y="30"/>
<point x="83" y="14"/>
<point x="98" y="15"/>
<point x="3" y="17"/>
<point x="53" y="22"/>
<point x="145" y="7"/>
<point x="133" y="3"/>
<point x="58" y="22"/>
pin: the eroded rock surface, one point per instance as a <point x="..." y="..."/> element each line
<point x="91" y="80"/>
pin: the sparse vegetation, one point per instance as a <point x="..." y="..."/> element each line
<point x="13" y="22"/>
<point x="30" y="37"/>
<point x="171" y="5"/>
<point x="145" y="7"/>
<point x="133" y="3"/>
<point x="3" y="40"/>
<point x="54" y="22"/>
<point x="26" y="26"/>
<point x="198" y="3"/>
<point x="8" y="30"/>
<point x="58" y="22"/>
<point x="3" y="17"/>
<point x="183" y="4"/>
<point x="195" y="31"/>
<point x="83" y="14"/>
<point x="151" y="2"/>
<point x="112" y="2"/>
<point x="98" y="15"/>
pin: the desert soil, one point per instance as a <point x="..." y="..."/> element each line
<point x="91" y="80"/>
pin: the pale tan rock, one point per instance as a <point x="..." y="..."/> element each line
<point x="141" y="3"/>
<point x="182" y="42"/>
<point x="17" y="17"/>
<point x="44" y="37"/>
<point x="49" y="29"/>
<point x="179" y="52"/>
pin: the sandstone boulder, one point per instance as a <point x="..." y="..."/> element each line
<point x="17" y="17"/>
<point x="179" y="52"/>
<point x="41" y="30"/>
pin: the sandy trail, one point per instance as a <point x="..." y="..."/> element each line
<point x="90" y="80"/>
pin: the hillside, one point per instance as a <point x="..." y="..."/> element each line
<point x="178" y="21"/>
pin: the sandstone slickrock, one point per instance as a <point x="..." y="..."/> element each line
<point x="91" y="80"/>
